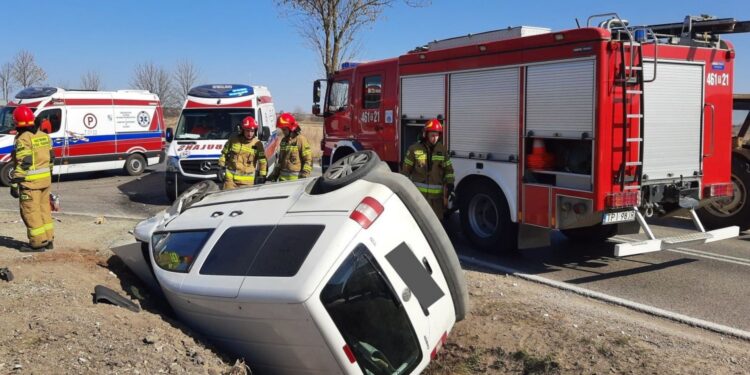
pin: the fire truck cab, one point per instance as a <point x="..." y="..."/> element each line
<point x="587" y="131"/>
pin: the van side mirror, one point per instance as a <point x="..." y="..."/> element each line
<point x="170" y="135"/>
<point x="316" y="109"/>
<point x="316" y="92"/>
<point x="265" y="133"/>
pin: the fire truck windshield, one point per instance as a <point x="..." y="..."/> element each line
<point x="210" y="123"/>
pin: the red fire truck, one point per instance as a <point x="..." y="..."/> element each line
<point x="587" y="131"/>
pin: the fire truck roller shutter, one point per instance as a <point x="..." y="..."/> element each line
<point x="423" y="96"/>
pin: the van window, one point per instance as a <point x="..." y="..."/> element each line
<point x="371" y="92"/>
<point x="6" y="119"/>
<point x="414" y="274"/>
<point x="53" y="116"/>
<point x="215" y="123"/>
<point x="338" y="96"/>
<point x="176" y="251"/>
<point x="264" y="250"/>
<point x="370" y="317"/>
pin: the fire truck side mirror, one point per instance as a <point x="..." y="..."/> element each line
<point x="316" y="92"/>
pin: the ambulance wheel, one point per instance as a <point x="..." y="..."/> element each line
<point x="735" y="210"/>
<point x="485" y="218"/>
<point x="5" y="174"/>
<point x="171" y="193"/>
<point x="348" y="169"/>
<point x="135" y="164"/>
<point x="595" y="233"/>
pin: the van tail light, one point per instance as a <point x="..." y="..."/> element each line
<point x="349" y="354"/>
<point x="721" y="190"/>
<point x="440" y="344"/>
<point x="367" y="212"/>
<point x="624" y="199"/>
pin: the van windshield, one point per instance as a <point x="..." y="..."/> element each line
<point x="370" y="316"/>
<point x="6" y="119"/>
<point x="214" y="123"/>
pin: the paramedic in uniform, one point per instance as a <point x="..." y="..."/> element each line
<point x="32" y="178"/>
<point x="428" y="165"/>
<point x="295" y="157"/>
<point x="240" y="155"/>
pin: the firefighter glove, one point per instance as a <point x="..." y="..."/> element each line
<point x="16" y="180"/>
<point x="449" y="188"/>
<point x="260" y="180"/>
<point x="14" y="191"/>
<point x="222" y="174"/>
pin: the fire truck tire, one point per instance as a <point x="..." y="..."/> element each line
<point x="485" y="218"/>
<point x="348" y="169"/>
<point x="734" y="211"/>
<point x="5" y="174"/>
<point x="596" y="233"/>
<point x="135" y="164"/>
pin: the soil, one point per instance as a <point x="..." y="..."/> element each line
<point x="50" y="324"/>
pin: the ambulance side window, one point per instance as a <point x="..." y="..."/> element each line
<point x="371" y="92"/>
<point x="49" y="121"/>
<point x="338" y="97"/>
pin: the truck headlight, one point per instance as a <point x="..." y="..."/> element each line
<point x="173" y="164"/>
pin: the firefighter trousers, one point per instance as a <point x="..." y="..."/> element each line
<point x="230" y="184"/>
<point x="437" y="205"/>
<point x="37" y="215"/>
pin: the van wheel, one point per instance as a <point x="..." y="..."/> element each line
<point x="135" y="164"/>
<point x="348" y="169"/>
<point x="594" y="233"/>
<point x="735" y="210"/>
<point x="6" y="173"/>
<point x="485" y="218"/>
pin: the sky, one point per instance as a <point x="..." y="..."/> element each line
<point x="253" y="42"/>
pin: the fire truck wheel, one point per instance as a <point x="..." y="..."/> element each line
<point x="596" y="233"/>
<point x="5" y="173"/>
<point x="135" y="164"/>
<point x="735" y="210"/>
<point x="485" y="218"/>
<point x="348" y="169"/>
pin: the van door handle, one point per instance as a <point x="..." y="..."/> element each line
<point x="427" y="265"/>
<point x="713" y="129"/>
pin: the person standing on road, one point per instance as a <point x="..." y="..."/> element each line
<point x="240" y="155"/>
<point x="32" y="178"/>
<point x="295" y="157"/>
<point x="429" y="166"/>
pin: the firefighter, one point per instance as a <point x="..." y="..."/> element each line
<point x="428" y="165"/>
<point x="240" y="155"/>
<point x="32" y="178"/>
<point x="295" y="157"/>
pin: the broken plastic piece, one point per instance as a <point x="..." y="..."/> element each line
<point x="5" y="274"/>
<point x="102" y="293"/>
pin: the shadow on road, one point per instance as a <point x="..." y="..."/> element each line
<point x="146" y="189"/>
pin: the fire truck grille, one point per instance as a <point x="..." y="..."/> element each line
<point x="204" y="167"/>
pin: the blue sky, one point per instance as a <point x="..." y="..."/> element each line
<point x="249" y="41"/>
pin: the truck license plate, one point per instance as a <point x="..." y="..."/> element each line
<point x="618" y="217"/>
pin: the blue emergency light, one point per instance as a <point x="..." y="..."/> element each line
<point x="221" y="91"/>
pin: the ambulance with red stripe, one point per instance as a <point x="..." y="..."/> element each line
<point x="90" y="130"/>
<point x="211" y="114"/>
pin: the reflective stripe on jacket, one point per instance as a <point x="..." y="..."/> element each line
<point x="240" y="155"/>
<point x="430" y="168"/>
<point x="295" y="159"/>
<point x="32" y="154"/>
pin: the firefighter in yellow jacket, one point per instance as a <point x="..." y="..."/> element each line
<point x="295" y="157"/>
<point x="428" y="165"/>
<point x="33" y="158"/>
<point x="240" y="155"/>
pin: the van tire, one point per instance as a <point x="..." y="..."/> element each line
<point x="348" y="169"/>
<point x="135" y="164"/>
<point x="5" y="173"/>
<point x="737" y="211"/>
<point x="485" y="218"/>
<point x="171" y="193"/>
<point x="594" y="233"/>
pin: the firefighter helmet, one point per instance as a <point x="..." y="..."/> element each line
<point x="433" y="125"/>
<point x="248" y="123"/>
<point x="286" y="120"/>
<point x="24" y="117"/>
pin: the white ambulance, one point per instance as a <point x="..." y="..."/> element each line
<point x="211" y="114"/>
<point x="90" y="130"/>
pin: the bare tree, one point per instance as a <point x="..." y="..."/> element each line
<point x="6" y="80"/>
<point x="151" y="77"/>
<point x="25" y="70"/>
<point x="91" y="81"/>
<point x="186" y="74"/>
<point x="331" y="26"/>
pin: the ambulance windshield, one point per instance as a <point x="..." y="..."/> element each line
<point x="6" y="119"/>
<point x="204" y="123"/>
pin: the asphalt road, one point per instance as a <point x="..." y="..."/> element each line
<point x="707" y="282"/>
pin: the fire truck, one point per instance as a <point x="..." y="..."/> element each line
<point x="588" y="131"/>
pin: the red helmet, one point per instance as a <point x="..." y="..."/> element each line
<point x="286" y="120"/>
<point x="433" y="125"/>
<point x="248" y="123"/>
<point x="24" y="117"/>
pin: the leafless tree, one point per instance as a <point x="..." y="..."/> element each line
<point x="91" y="81"/>
<point x="186" y="74"/>
<point x="154" y="78"/>
<point x="331" y="26"/>
<point x="6" y="80"/>
<point x="25" y="71"/>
